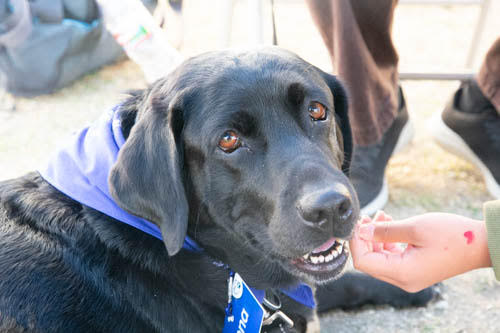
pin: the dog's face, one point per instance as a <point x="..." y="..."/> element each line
<point x="247" y="153"/>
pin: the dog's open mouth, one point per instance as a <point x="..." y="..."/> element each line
<point x="325" y="261"/>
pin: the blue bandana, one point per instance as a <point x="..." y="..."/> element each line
<point x="80" y="170"/>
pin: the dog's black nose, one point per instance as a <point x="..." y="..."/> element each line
<point x="323" y="206"/>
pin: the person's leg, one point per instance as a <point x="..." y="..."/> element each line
<point x="357" y="34"/>
<point x="489" y="75"/>
<point x="470" y="124"/>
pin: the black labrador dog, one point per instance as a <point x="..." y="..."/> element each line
<point x="245" y="153"/>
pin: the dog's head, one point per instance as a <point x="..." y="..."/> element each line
<point x="248" y="154"/>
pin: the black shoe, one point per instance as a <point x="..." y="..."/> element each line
<point x="470" y="128"/>
<point x="368" y="163"/>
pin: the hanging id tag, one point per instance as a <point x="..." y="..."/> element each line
<point x="246" y="313"/>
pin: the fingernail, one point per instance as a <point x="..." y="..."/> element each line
<point x="366" y="231"/>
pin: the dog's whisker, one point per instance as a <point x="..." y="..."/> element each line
<point x="196" y="222"/>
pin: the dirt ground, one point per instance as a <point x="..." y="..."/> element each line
<point x="422" y="178"/>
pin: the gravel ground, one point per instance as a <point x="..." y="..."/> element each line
<point x="422" y="178"/>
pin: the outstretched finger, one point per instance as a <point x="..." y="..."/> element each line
<point x="381" y="216"/>
<point x="389" y="232"/>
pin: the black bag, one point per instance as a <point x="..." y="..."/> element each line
<point x="46" y="44"/>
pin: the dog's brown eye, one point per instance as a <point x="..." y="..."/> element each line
<point x="317" y="111"/>
<point x="229" y="141"/>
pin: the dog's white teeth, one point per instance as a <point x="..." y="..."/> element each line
<point x="326" y="256"/>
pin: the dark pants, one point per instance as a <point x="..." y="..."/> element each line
<point x="357" y="34"/>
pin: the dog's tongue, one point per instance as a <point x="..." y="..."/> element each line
<point x="325" y="246"/>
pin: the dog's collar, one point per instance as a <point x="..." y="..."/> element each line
<point x="80" y="170"/>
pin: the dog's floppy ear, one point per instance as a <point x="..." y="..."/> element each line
<point x="341" y="110"/>
<point x="146" y="180"/>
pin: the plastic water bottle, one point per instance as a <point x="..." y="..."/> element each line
<point x="135" y="29"/>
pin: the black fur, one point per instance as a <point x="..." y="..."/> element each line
<point x="65" y="267"/>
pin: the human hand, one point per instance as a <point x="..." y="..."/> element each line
<point x="439" y="246"/>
